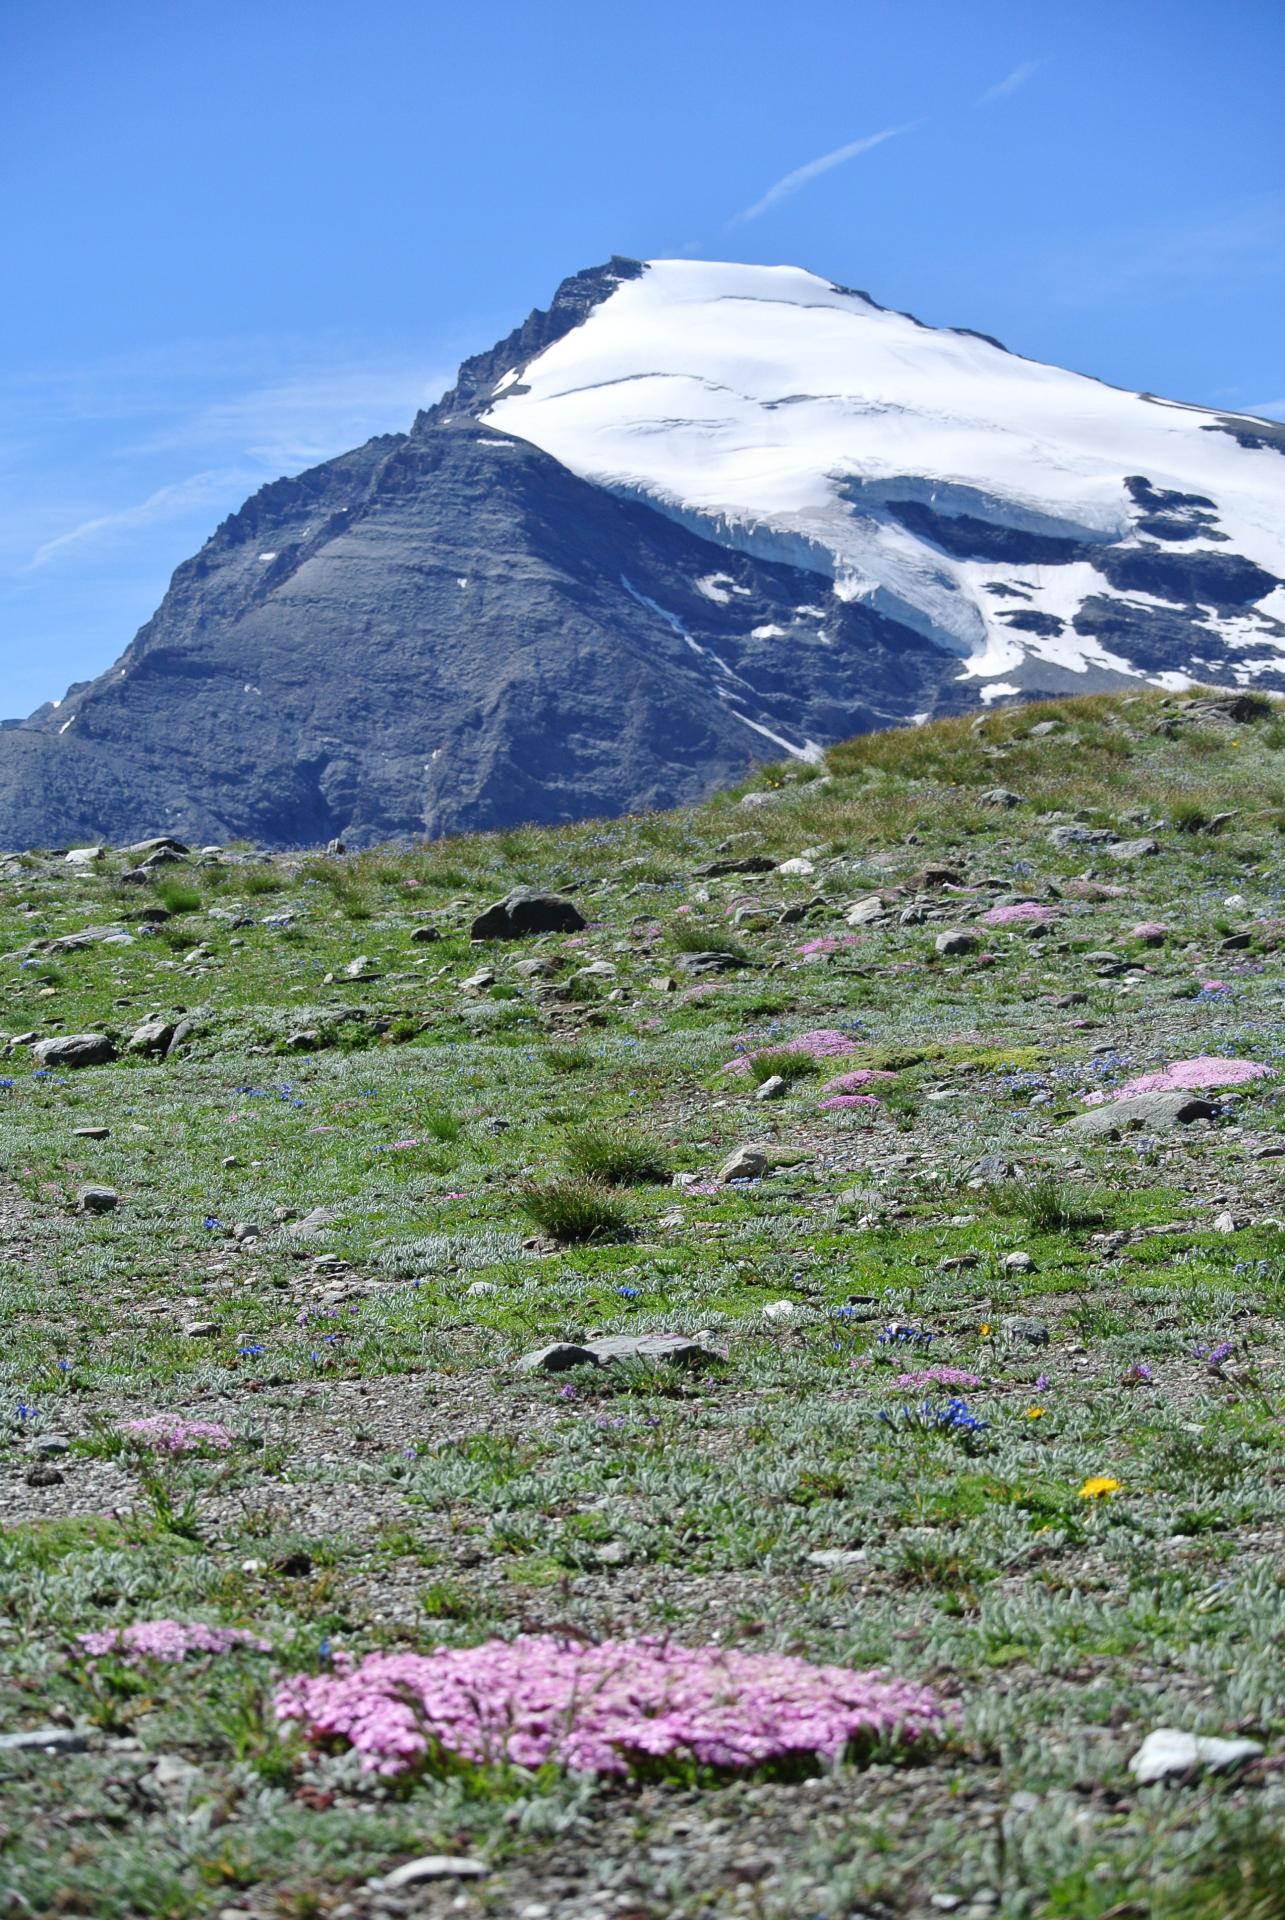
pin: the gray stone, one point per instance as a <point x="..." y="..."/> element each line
<point x="557" y="1358"/>
<point x="1017" y="1263"/>
<point x="433" y="1866"/>
<point x="1000" y="797"/>
<point x="183" y="1031"/>
<point x="45" y="1740"/>
<point x="362" y="968"/>
<point x="424" y="934"/>
<point x="478" y="982"/>
<point x="956" y="940"/>
<point x="864" y="913"/>
<point x="749" y="1162"/>
<point x="771" y="1088"/>
<point x="1071" y="836"/>
<point x="74" y="1050"/>
<point x="1022" y="1327"/>
<point x="1168" y="1753"/>
<point x="679" y="1349"/>
<point x="305" y="1040"/>
<point x="92" y="1199"/>
<point x="1132" y="849"/>
<point x="51" y="1445"/>
<point x="200" y="1329"/>
<point x="160" y="843"/>
<point x="1150" y="1112"/>
<point x="153" y="1036"/>
<point x="713" y="962"/>
<point x="523" y="913"/>
<point x="104" y="1133"/>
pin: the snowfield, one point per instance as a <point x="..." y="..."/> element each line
<point x="799" y="422"/>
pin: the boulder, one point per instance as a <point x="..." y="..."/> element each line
<point x="1132" y="849"/>
<point x="521" y="914"/>
<point x="749" y="1162"/>
<point x="956" y="940"/>
<point x="93" y="1199"/>
<point x="1169" y="1754"/>
<point x="153" y="1036"/>
<point x="74" y="1050"/>
<point x="1149" y="1112"/>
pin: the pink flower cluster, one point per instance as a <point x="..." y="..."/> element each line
<point x="601" y="1709"/>
<point x="1185" y="1076"/>
<point x="858" y="1077"/>
<point x="1025" y="910"/>
<point x="938" y="1377"/>
<point x="171" y="1433"/>
<point x="822" y="1043"/>
<point x="828" y="943"/>
<point x="839" y="1101"/>
<point x="167" y="1640"/>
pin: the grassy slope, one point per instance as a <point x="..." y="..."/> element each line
<point x="395" y="1482"/>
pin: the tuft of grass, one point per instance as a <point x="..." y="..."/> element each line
<point x="570" y="1059"/>
<point x="574" y="1210"/>
<point x="616" y="1158"/>
<point x="708" y="940"/>
<point x="1050" y="1205"/>
<point x="790" y="1065"/>
<point x="178" y="896"/>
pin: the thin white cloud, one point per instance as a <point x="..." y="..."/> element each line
<point x="1009" y="84"/>
<point x="1269" y="409"/>
<point x="790" y="183"/>
<point x="166" y="503"/>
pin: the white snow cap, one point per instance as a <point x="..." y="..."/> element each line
<point x="779" y="414"/>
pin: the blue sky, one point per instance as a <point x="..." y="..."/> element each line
<point x="240" y="238"/>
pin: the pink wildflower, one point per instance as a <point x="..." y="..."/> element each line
<point x="1025" y="910"/>
<point x="839" y="1101"/>
<point x="167" y="1640"/>
<point x="855" y="1080"/>
<point x="822" y="1043"/>
<point x="828" y="943"/>
<point x="1185" y="1076"/>
<point x="171" y="1433"/>
<point x="602" y="1709"/>
<point x="1150" y="932"/>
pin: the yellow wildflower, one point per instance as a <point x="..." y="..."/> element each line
<point x="1035" y="1413"/>
<point x="986" y="1327"/>
<point x="1097" y="1485"/>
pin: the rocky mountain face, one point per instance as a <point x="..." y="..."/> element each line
<point x="690" y="518"/>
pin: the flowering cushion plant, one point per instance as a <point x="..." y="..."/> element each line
<point x="615" y="1708"/>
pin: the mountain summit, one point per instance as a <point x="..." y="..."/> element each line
<point x="693" y="516"/>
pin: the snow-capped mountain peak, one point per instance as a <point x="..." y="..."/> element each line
<point x="1006" y="510"/>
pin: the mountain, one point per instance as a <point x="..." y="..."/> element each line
<point x="694" y="516"/>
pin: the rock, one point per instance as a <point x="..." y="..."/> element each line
<point x="424" y="934"/>
<point x="557" y="1358"/>
<point x="74" y="1050"/>
<point x="91" y="1133"/>
<point x="153" y="1036"/>
<point x="956" y="940"/>
<point x="714" y="961"/>
<point x="246" y="1230"/>
<point x="44" y="1476"/>
<point x="771" y="1088"/>
<point x="96" y="1199"/>
<point x="521" y="913"/>
<point x="1132" y="849"/>
<point x="1078" y="836"/>
<point x="313" y="1223"/>
<point x="750" y="863"/>
<point x="1224" y="1223"/>
<point x="596" y="970"/>
<point x="432" y="1866"/>
<point x="1022" y="1327"/>
<point x="1000" y="797"/>
<point x="304" y="1041"/>
<point x="838" y="1559"/>
<point x="798" y="866"/>
<point x="161" y="843"/>
<point x="935" y="875"/>
<point x="1017" y="1263"/>
<point x="335" y="847"/>
<point x="83" y="856"/>
<point x="45" y="1740"/>
<point x="1152" y="1112"/>
<point x="677" y="1349"/>
<point x="780" y="1310"/>
<point x="362" y="968"/>
<point x="183" y="1031"/>
<point x="749" y="1162"/>
<point x="863" y="913"/>
<point x="1167" y="1754"/>
<point x="52" y="1445"/>
<point x="478" y="982"/>
<point x="200" y="1329"/>
<point x="173" y="1778"/>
